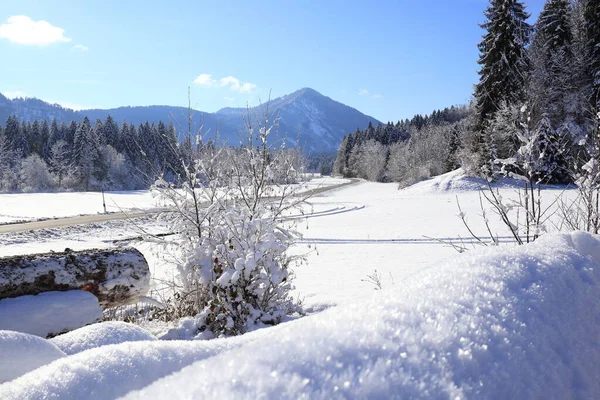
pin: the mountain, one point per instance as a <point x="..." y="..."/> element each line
<point x="305" y="118"/>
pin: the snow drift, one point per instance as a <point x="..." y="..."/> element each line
<point x="512" y="322"/>
<point x="507" y="323"/>
<point x="49" y="313"/>
<point x="97" y="335"/>
<point x="21" y="353"/>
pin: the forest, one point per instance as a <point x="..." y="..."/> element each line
<point x="535" y="107"/>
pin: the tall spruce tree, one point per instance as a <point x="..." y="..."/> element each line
<point x="503" y="57"/>
<point x="552" y="57"/>
<point x="504" y="68"/>
<point x="592" y="28"/>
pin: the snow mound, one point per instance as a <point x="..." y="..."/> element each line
<point x="111" y="371"/>
<point x="49" y="313"/>
<point x="516" y="322"/>
<point x="101" y="334"/>
<point x="22" y="353"/>
<point x="511" y="322"/>
<point x="454" y="181"/>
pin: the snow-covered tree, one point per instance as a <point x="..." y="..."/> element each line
<point x="85" y="154"/>
<point x="118" y="170"/>
<point x="60" y="161"/>
<point x="504" y="63"/>
<point x="34" y="175"/>
<point x="552" y="56"/>
<point x="592" y="28"/>
<point x="503" y="57"/>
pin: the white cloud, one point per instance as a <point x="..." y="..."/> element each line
<point x="230" y="82"/>
<point x="247" y="87"/>
<point x="229" y="99"/>
<point x="234" y="84"/>
<point x="23" y="30"/>
<point x="205" y="80"/>
<point x="80" y="47"/>
<point x="365" y="92"/>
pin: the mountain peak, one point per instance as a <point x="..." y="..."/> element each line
<point x="305" y="117"/>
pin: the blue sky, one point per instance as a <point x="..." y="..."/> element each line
<point x="388" y="59"/>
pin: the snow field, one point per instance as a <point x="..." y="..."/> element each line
<point x="493" y="323"/>
<point x="508" y="322"/>
<point x="26" y="206"/>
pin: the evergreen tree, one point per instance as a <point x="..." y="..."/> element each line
<point x="592" y="29"/>
<point x="503" y="58"/>
<point x="44" y="140"/>
<point x="55" y="133"/>
<point x="71" y="131"/>
<point x="85" y="153"/>
<point x="60" y="160"/>
<point x="34" y="138"/>
<point x="552" y="78"/>
<point x="16" y="141"/>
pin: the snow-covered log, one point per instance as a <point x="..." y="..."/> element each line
<point x="114" y="276"/>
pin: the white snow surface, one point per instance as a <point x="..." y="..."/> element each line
<point x="21" y="353"/>
<point x="26" y="206"/>
<point x="101" y="334"/>
<point x="111" y="371"/>
<point x="505" y="323"/>
<point x="513" y="322"/>
<point x="49" y="313"/>
<point x="500" y="323"/>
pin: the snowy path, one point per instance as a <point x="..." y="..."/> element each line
<point x="149" y="208"/>
<point x="69" y="221"/>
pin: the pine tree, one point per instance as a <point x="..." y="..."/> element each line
<point x="34" y="138"/>
<point x="552" y="78"/>
<point x="592" y="29"/>
<point x="111" y="134"/>
<point x="503" y="57"/>
<point x="71" y="131"/>
<point x="15" y="138"/>
<point x="85" y="153"/>
<point x="44" y="140"/>
<point x="504" y="68"/>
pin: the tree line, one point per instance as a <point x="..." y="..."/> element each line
<point x="42" y="156"/>
<point x="535" y="106"/>
<point x="404" y="152"/>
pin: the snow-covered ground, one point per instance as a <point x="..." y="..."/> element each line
<point x="33" y="206"/>
<point x="513" y="322"/>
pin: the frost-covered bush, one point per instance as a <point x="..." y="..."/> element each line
<point x="424" y="155"/>
<point x="34" y="175"/>
<point x="234" y="272"/>
<point x="239" y="275"/>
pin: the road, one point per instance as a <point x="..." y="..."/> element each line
<point x="90" y="219"/>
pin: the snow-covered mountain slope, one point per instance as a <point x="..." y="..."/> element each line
<point x="316" y="122"/>
<point x="305" y="118"/>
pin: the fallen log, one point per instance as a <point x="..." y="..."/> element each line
<point x="115" y="276"/>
